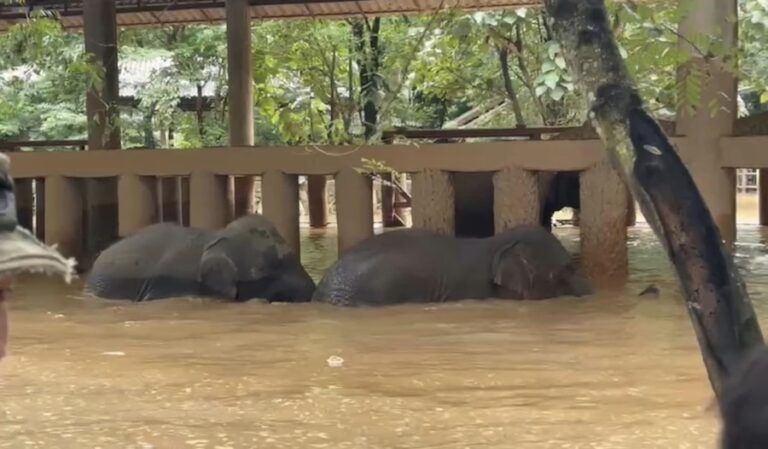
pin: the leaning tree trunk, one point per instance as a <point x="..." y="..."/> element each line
<point x="719" y="307"/>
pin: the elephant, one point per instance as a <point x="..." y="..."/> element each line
<point x="247" y="259"/>
<point x="421" y="266"/>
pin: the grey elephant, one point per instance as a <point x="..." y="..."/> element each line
<point x="419" y="266"/>
<point x="248" y="259"/>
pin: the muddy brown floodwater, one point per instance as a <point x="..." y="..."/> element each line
<point x="602" y="372"/>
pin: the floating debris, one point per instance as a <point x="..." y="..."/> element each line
<point x="335" y="361"/>
<point x="114" y="353"/>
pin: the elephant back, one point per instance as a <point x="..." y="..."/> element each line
<point x="164" y="249"/>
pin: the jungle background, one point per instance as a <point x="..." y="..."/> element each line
<point x="345" y="81"/>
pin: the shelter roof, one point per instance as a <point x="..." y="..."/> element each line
<point x="134" y="13"/>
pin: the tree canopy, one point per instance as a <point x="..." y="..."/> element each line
<point x="344" y="81"/>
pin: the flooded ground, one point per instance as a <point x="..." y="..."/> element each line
<point x="602" y="372"/>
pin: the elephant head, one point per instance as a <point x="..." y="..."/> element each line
<point x="530" y="263"/>
<point x="249" y="259"/>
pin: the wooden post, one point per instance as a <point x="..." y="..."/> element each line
<point x="762" y="195"/>
<point x="40" y="208"/>
<point x="516" y="198"/>
<point x="280" y="202"/>
<point x="354" y="208"/>
<point x="240" y="100"/>
<point x="137" y="203"/>
<point x="433" y="202"/>
<point x="317" y="197"/>
<point x="100" y="33"/>
<point x="25" y="203"/>
<point x="631" y="210"/>
<point x="209" y="208"/>
<point x="64" y="215"/>
<point x="701" y="151"/>
<point x="603" y="225"/>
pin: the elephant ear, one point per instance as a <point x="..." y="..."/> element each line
<point x="217" y="272"/>
<point x="511" y="272"/>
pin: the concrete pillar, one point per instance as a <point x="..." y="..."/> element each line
<point x="64" y="214"/>
<point x="603" y="225"/>
<point x="701" y="152"/>
<point x="100" y="32"/>
<point x="354" y="208"/>
<point x="433" y="202"/>
<point x="208" y="207"/>
<point x="280" y="202"/>
<point x="25" y="203"/>
<point x="240" y="91"/>
<point x="515" y="198"/>
<point x="137" y="203"/>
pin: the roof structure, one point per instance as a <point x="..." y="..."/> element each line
<point x="136" y="13"/>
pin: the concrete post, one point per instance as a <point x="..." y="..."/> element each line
<point x="280" y="203"/>
<point x="515" y="198"/>
<point x="64" y="214"/>
<point x="701" y="152"/>
<point x="137" y="203"/>
<point x="354" y="208"/>
<point x="240" y="100"/>
<point x="603" y="225"/>
<point x="433" y="202"/>
<point x="208" y="201"/>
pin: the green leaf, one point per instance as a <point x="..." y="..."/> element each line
<point x="548" y="66"/>
<point x="560" y="61"/>
<point x="551" y="79"/>
<point x="557" y="93"/>
<point x="541" y="89"/>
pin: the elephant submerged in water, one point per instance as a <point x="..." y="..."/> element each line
<point x="248" y="259"/>
<point x="419" y="266"/>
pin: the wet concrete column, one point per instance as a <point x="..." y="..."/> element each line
<point x="433" y="202"/>
<point x="714" y="114"/>
<point x="515" y="198"/>
<point x="280" y="203"/>
<point x="25" y="202"/>
<point x="208" y="208"/>
<point x="354" y="208"/>
<point x="240" y="99"/>
<point x="137" y="203"/>
<point x="64" y="214"/>
<point x="603" y="225"/>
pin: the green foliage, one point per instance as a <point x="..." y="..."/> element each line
<point x="307" y="74"/>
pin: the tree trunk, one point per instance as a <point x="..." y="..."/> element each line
<point x="503" y="54"/>
<point x="719" y="307"/>
<point x="369" y="60"/>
